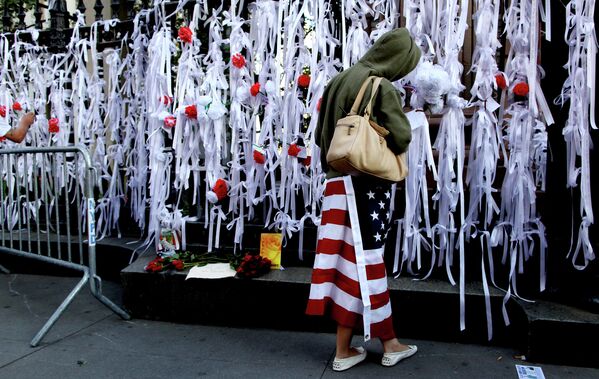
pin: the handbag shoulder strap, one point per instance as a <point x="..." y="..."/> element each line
<point x="358" y="101"/>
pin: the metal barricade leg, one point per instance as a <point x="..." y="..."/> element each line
<point x="61" y="308"/>
<point x="95" y="285"/>
<point x="4" y="270"/>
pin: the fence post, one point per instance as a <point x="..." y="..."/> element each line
<point x="59" y="23"/>
<point x="130" y="8"/>
<point x="21" y="16"/>
<point x="58" y="15"/>
<point x="115" y="5"/>
<point x="38" y="15"/>
<point x="6" y="19"/>
<point x="81" y="8"/>
<point x="98" y="8"/>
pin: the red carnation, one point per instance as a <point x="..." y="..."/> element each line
<point x="166" y="100"/>
<point x="307" y="161"/>
<point x="259" y="157"/>
<point x="293" y="150"/>
<point x="318" y="105"/>
<point x="2" y="111"/>
<point x="53" y="125"/>
<point x="255" y="89"/>
<point x="170" y="121"/>
<point x="191" y="111"/>
<point x="238" y="60"/>
<point x="178" y="264"/>
<point x="218" y="192"/>
<point x="2" y="138"/>
<point x="521" y="89"/>
<point x="500" y="80"/>
<point x="303" y="81"/>
<point x="185" y="34"/>
<point x="220" y="189"/>
<point x="16" y="106"/>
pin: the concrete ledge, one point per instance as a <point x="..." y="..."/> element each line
<point x="422" y="309"/>
<point x="543" y="331"/>
<point x="561" y="334"/>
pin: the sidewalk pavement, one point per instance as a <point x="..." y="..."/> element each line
<point x="90" y="341"/>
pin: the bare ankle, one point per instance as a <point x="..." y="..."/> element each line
<point x="393" y="345"/>
<point x="346" y="353"/>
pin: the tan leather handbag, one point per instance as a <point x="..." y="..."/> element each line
<point x="359" y="147"/>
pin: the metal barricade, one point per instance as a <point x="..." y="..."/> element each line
<point x="46" y="207"/>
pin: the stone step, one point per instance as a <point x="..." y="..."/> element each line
<point x="544" y="331"/>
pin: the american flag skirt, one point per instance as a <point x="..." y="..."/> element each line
<point x="349" y="280"/>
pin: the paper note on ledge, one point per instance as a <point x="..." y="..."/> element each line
<point x="529" y="372"/>
<point x="211" y="271"/>
<point x="270" y="247"/>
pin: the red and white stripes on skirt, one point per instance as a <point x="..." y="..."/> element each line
<point x="344" y="273"/>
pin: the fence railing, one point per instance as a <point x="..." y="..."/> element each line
<point x="47" y="213"/>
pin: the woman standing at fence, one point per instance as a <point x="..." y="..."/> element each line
<point x="349" y="265"/>
<point x="16" y="134"/>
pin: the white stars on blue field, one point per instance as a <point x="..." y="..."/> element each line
<point x="375" y="215"/>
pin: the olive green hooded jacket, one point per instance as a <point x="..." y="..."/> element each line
<point x="392" y="56"/>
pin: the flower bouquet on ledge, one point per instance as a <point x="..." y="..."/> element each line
<point x="183" y="260"/>
<point x="248" y="266"/>
<point x="161" y="263"/>
<point x="251" y="266"/>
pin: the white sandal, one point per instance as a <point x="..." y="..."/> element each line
<point x="391" y="359"/>
<point x="342" y="364"/>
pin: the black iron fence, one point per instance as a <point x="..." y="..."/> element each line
<point x="55" y="31"/>
<point x="60" y="17"/>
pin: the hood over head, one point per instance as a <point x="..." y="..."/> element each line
<point x="393" y="55"/>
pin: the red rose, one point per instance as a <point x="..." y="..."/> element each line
<point x="2" y="111"/>
<point x="238" y="60"/>
<point x="53" y="125"/>
<point x="170" y="121"/>
<point x="293" y="150"/>
<point x="2" y="138"/>
<point x="318" y="105"/>
<point x="303" y="81"/>
<point x="259" y="157"/>
<point x="185" y="34"/>
<point x="178" y="264"/>
<point x="191" y="111"/>
<point x="155" y="265"/>
<point x="500" y="80"/>
<point x="255" y="89"/>
<point x="521" y="89"/>
<point x="307" y="161"/>
<point x="16" y="106"/>
<point x="166" y="100"/>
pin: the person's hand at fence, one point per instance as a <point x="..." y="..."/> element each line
<point x="18" y="134"/>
